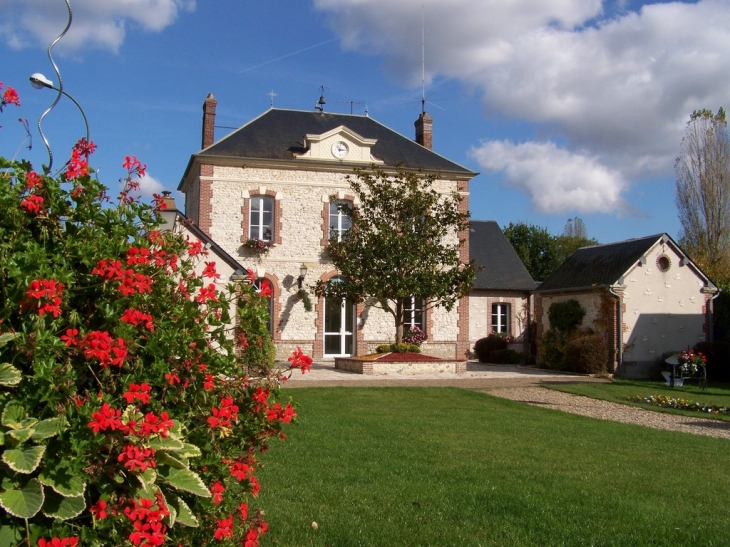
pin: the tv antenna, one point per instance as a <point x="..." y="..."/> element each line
<point x="423" y="61"/>
<point x="352" y="103"/>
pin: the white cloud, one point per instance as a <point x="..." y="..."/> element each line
<point x="556" y="180"/>
<point x="96" y="23"/>
<point x="149" y="185"/>
<point x="613" y="85"/>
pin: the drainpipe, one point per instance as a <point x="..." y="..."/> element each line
<point x="710" y="314"/>
<point x="620" y="329"/>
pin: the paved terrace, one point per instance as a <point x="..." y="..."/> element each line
<point x="477" y="376"/>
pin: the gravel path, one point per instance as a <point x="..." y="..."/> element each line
<point x="603" y="410"/>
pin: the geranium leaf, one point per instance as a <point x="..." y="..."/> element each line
<point x="24" y="460"/>
<point x="165" y="444"/>
<point x="185" y="480"/>
<point x="10" y="536"/>
<point x="171" y="517"/>
<point x="188" y="451"/>
<point x="184" y="515"/>
<point x="49" y="428"/>
<point x="63" y="508"/>
<point x="172" y="512"/>
<point x="21" y="435"/>
<point x="147" y="479"/>
<point x="24" y="503"/>
<point x="63" y="481"/>
<point x="166" y="459"/>
<point x="9" y="375"/>
<point x="13" y="414"/>
<point x="7" y="337"/>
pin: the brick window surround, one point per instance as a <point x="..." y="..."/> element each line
<point x="246" y="214"/>
<point x="326" y="215"/>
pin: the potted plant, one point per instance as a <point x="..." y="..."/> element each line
<point x="258" y="245"/>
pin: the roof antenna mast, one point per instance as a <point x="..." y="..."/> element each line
<point x="423" y="63"/>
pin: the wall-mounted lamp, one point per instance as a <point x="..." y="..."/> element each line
<point x="302" y="275"/>
<point x="169" y="213"/>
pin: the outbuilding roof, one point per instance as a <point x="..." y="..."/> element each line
<point x="500" y="268"/>
<point x="604" y="265"/>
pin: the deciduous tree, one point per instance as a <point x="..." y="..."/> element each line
<point x="542" y="253"/>
<point x="703" y="192"/>
<point x="404" y="243"/>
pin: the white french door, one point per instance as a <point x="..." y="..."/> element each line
<point x="339" y="320"/>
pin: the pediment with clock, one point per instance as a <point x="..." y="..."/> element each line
<point x="339" y="145"/>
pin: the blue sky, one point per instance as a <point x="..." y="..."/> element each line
<point x="566" y="108"/>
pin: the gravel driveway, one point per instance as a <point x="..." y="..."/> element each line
<point x="603" y="410"/>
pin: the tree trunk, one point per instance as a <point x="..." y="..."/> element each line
<point x="399" y="321"/>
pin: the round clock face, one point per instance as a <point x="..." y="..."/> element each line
<point x="339" y="149"/>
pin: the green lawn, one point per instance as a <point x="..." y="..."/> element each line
<point x="444" y="466"/>
<point x="618" y="391"/>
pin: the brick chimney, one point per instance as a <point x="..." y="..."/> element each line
<point x="209" y="120"/>
<point x="424" y="130"/>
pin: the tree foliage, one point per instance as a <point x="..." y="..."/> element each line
<point x="404" y="243"/>
<point x="703" y="192"/>
<point x="542" y="253"/>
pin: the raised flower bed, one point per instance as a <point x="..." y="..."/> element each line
<point x="400" y="363"/>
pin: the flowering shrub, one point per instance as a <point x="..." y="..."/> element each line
<point x="680" y="404"/>
<point x="258" y="245"/>
<point x="414" y="336"/>
<point x="691" y="362"/>
<point x="508" y="338"/>
<point x="131" y="411"/>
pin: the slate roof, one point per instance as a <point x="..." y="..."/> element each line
<point x="278" y="134"/>
<point x="502" y="268"/>
<point x="599" y="264"/>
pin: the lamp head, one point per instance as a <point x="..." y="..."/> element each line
<point x="39" y="81"/>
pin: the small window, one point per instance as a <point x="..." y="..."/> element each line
<point x="339" y="219"/>
<point x="413" y="316"/>
<point x="500" y="318"/>
<point x="261" y="220"/>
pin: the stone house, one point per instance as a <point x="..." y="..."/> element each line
<point x="644" y="295"/>
<point x="500" y="298"/>
<point x="276" y="183"/>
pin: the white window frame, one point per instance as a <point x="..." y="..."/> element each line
<point x="500" y="312"/>
<point x="413" y="308"/>
<point x="339" y="220"/>
<point x="256" y="225"/>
